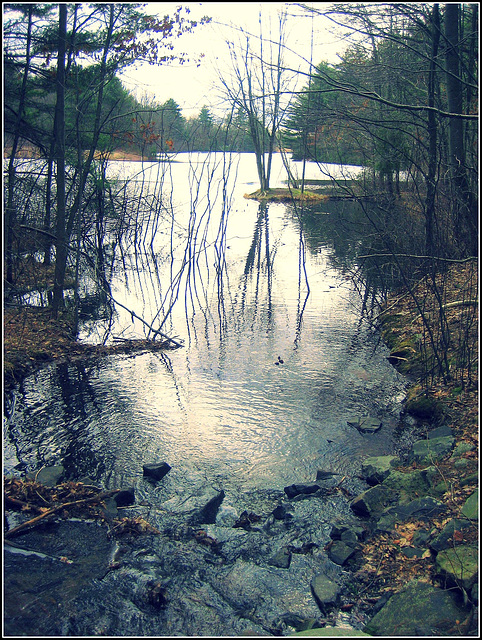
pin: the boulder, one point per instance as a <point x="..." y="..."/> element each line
<point x="407" y="485"/>
<point x="325" y="591"/>
<point x="432" y="449"/>
<point x="155" y="471"/>
<point x="420" y="509"/>
<point x="417" y="610"/>
<point x="339" y="552"/>
<point x="372" y="502"/>
<point x="377" y="468"/>
<point x="459" y="566"/>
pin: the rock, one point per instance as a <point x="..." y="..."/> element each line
<point x="420" y="509"/>
<point x="282" y="559"/>
<point x="461" y="448"/>
<point x="432" y="449"/>
<point x="445" y="539"/>
<point x="300" y="489"/>
<point x="332" y="632"/>
<point x="418" y="610"/>
<point x="366" y="424"/>
<point x="48" y="476"/>
<point x="459" y="566"/>
<point x="377" y="468"/>
<point x="208" y="513"/>
<point x="125" y="497"/>
<point x="339" y="552"/>
<point x="325" y="591"/>
<point x="155" y="471"/>
<point x="281" y="513"/>
<point x="325" y="475"/>
<point x="372" y="502"/>
<point x="440" y="432"/>
<point x="407" y="485"/>
<point x="471" y="507"/>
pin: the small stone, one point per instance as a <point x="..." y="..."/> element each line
<point x="155" y="471"/>
<point x="49" y="476"/>
<point x="125" y="497"/>
<point x="300" y="489"/>
<point x="282" y="559"/>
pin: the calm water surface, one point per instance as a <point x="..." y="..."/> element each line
<point x="251" y="291"/>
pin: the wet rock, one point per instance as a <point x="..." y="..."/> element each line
<point x="246" y="519"/>
<point x="417" y="610"/>
<point x="48" y="476"/>
<point x="300" y="489"/>
<point x="365" y="424"/>
<point x="333" y="632"/>
<point x="325" y="475"/>
<point x="339" y="552"/>
<point x="282" y="559"/>
<point x="377" y="468"/>
<point x="155" y="471"/>
<point x="432" y="449"/>
<point x="325" y="592"/>
<point x="459" y="566"/>
<point x="125" y="497"/>
<point x="281" y="513"/>
<point x="207" y="514"/>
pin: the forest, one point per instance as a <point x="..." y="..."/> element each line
<point x="402" y="103"/>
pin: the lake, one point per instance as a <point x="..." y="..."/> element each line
<point x="277" y="352"/>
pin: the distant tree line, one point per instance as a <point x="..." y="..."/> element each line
<point x="401" y="102"/>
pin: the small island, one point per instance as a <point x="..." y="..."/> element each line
<point x="286" y="195"/>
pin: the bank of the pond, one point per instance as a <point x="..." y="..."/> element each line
<point x="286" y="195"/>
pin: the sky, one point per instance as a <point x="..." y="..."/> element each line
<point x="193" y="86"/>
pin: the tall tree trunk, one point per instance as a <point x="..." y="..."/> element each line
<point x="432" y="135"/>
<point x="463" y="200"/>
<point x="59" y="133"/>
<point x="11" y="209"/>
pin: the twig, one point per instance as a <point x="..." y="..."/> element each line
<point x="59" y="507"/>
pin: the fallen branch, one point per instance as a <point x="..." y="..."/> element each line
<point x="59" y="507"/>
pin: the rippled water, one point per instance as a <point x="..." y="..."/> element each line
<point x="223" y="408"/>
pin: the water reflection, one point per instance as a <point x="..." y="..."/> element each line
<point x="245" y="286"/>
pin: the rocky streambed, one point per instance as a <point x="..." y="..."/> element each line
<point x="209" y="561"/>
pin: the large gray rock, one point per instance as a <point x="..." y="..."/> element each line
<point x="325" y="591"/>
<point x="432" y="449"/>
<point x="407" y="485"/>
<point x="420" y="509"/>
<point x="417" y="610"/>
<point x="377" y="468"/>
<point x="372" y="502"/>
<point x="459" y="566"/>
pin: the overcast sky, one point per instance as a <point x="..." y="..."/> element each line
<point x="193" y="86"/>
